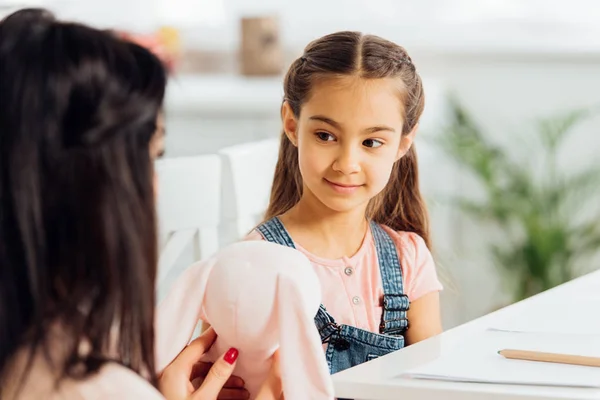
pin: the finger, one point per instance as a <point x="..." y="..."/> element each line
<point x="190" y="355"/>
<point x="234" y="394"/>
<point x="272" y="388"/>
<point x="217" y="376"/>
<point x="200" y="370"/>
<point x="275" y="366"/>
<point x="206" y="339"/>
<point x="234" y="382"/>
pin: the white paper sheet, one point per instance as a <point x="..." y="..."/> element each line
<point x="479" y="361"/>
<point x="582" y="318"/>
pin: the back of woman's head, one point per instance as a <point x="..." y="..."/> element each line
<point x="400" y="205"/>
<point x="78" y="109"/>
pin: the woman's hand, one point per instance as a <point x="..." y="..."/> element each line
<point x="232" y="390"/>
<point x="270" y="390"/>
<point x="175" y="381"/>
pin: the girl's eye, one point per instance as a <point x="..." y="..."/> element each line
<point x="372" y="143"/>
<point x="325" y="137"/>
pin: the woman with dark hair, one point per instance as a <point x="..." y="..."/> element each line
<point x="78" y="252"/>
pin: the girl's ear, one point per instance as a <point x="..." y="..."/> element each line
<point x="290" y="123"/>
<point x="406" y="142"/>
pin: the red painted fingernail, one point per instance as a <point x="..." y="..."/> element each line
<point x="231" y="355"/>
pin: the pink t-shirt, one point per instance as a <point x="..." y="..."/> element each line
<point x="351" y="287"/>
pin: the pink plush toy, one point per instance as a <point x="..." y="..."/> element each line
<point x="258" y="297"/>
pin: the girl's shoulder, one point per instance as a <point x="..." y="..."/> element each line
<point x="254" y="235"/>
<point x="418" y="267"/>
<point x="409" y="244"/>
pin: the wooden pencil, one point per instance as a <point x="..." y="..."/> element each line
<point x="550" y="357"/>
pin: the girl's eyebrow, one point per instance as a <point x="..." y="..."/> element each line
<point x="327" y="120"/>
<point x="337" y="125"/>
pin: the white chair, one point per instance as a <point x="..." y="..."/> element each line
<point x="247" y="178"/>
<point x="189" y="195"/>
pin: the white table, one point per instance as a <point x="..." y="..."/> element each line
<point x="378" y="379"/>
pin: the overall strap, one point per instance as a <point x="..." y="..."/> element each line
<point x="326" y="325"/>
<point x="395" y="302"/>
<point x="273" y="231"/>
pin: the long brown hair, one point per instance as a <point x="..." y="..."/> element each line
<point x="77" y="213"/>
<point x="400" y="205"/>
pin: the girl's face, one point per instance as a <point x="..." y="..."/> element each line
<point x="349" y="135"/>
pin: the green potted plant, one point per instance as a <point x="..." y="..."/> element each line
<point x="549" y="221"/>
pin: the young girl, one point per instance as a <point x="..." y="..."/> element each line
<point x="346" y="194"/>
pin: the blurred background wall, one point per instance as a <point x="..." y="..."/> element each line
<point x="508" y="63"/>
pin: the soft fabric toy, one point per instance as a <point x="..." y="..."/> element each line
<point x="258" y="297"/>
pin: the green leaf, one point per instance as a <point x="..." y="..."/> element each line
<point x="570" y="193"/>
<point x="554" y="130"/>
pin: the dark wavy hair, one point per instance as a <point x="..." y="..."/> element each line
<point x="78" y="109"/>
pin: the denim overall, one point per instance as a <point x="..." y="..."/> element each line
<point x="348" y="346"/>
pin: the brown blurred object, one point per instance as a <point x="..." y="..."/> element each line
<point x="261" y="51"/>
